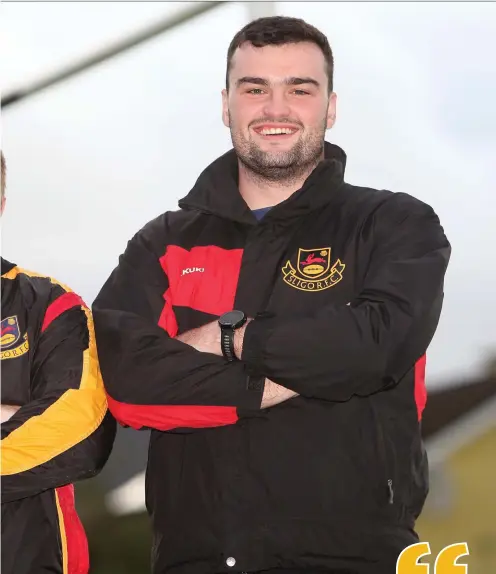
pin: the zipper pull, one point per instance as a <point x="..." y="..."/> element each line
<point x="391" y="491"/>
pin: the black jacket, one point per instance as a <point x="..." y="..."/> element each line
<point x="346" y="286"/>
<point x="63" y="431"/>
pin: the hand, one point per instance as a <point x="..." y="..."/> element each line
<point x="275" y="394"/>
<point x="7" y="411"/>
<point x="205" y="339"/>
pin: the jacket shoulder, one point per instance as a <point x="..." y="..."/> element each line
<point x="42" y="296"/>
<point x="40" y="284"/>
<point x="383" y="201"/>
<point x="165" y="229"/>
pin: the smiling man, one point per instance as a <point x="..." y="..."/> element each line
<point x="272" y="333"/>
<point x="278" y="119"/>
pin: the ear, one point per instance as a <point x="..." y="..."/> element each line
<point x="2" y="207"/>
<point x="331" y="111"/>
<point x="225" y="108"/>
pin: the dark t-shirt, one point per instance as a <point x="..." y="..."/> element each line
<point x="259" y="213"/>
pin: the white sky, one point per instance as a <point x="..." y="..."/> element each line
<point x="93" y="159"/>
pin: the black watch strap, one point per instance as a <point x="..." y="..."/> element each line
<point x="229" y="322"/>
<point x="227" y="343"/>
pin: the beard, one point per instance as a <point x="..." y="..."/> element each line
<point x="280" y="166"/>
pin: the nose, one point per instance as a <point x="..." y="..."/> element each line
<point x="276" y="105"/>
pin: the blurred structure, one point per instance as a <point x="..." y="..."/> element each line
<point x="459" y="427"/>
<point x="110" y="51"/>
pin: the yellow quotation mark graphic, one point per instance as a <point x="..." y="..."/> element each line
<point x="445" y="562"/>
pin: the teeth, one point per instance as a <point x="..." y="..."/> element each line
<point x="276" y="131"/>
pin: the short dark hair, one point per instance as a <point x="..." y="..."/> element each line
<point x="278" y="31"/>
<point x="3" y="172"/>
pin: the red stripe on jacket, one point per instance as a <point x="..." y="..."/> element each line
<point x="420" y="388"/>
<point x="168" y="417"/>
<point x="59" y="306"/>
<point x="78" y="561"/>
<point x="168" y="318"/>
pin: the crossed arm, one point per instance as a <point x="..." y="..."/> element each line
<point x="64" y="433"/>
<point x="156" y="379"/>
<point x="206" y="339"/>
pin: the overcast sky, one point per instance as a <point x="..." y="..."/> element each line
<point x="92" y="160"/>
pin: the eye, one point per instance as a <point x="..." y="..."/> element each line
<point x="300" y="92"/>
<point x="255" y="91"/>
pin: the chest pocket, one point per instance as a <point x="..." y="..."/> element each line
<point x="203" y="278"/>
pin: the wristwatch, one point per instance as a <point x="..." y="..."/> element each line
<point x="229" y="322"/>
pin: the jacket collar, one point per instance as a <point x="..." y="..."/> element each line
<point x="6" y="266"/>
<point x="216" y="190"/>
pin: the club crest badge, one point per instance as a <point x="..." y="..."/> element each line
<point x="10" y="332"/>
<point x="314" y="270"/>
<point x="10" y="336"/>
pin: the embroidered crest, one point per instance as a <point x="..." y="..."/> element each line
<point x="10" y="335"/>
<point x="10" y="332"/>
<point x="313" y="270"/>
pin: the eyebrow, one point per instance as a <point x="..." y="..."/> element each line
<point x="292" y="81"/>
<point x="299" y="81"/>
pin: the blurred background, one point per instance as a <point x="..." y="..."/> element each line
<point x="110" y="110"/>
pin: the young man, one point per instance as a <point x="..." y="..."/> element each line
<point x="56" y="428"/>
<point x="276" y="284"/>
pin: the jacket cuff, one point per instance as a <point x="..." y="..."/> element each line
<point x="254" y="345"/>
<point x="252" y="397"/>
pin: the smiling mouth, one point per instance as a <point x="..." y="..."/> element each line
<point x="275" y="132"/>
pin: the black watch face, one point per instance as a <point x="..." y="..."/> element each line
<point x="232" y="319"/>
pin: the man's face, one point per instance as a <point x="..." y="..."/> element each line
<point x="278" y="108"/>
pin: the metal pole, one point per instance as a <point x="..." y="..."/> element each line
<point x="114" y="49"/>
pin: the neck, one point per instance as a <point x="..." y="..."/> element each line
<point x="259" y="192"/>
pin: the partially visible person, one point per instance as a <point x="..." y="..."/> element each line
<point x="56" y="428"/>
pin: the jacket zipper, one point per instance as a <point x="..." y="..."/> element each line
<point x="383" y="456"/>
<point x="391" y="490"/>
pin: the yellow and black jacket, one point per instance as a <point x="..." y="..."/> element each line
<point x="63" y="431"/>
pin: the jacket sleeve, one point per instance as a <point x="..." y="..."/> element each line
<point x="152" y="379"/>
<point x="368" y="345"/>
<point x="64" y="433"/>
